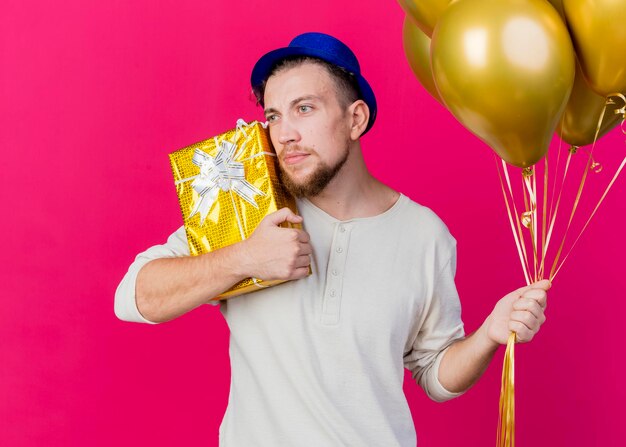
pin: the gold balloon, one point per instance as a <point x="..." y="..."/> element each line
<point x="425" y="13"/>
<point x="580" y="119"/>
<point x="598" y="29"/>
<point x="505" y="69"/>
<point x="417" y="49"/>
<point x="558" y="5"/>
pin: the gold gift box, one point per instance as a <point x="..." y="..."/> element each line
<point x="226" y="185"/>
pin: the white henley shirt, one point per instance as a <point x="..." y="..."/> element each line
<point x="320" y="361"/>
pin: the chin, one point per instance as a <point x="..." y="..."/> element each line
<point x="297" y="182"/>
<point x="298" y="174"/>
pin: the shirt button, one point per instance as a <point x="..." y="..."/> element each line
<point x="342" y="228"/>
<point x="332" y="292"/>
<point x="335" y="272"/>
<point x="339" y="249"/>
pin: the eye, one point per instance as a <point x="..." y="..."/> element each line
<point x="271" y="118"/>
<point x="305" y="109"/>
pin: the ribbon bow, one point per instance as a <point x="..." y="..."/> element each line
<point x="217" y="173"/>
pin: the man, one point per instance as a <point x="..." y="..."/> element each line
<point x="318" y="361"/>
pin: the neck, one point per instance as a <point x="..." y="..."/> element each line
<point x="354" y="192"/>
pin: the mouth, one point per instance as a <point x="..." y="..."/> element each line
<point x="294" y="158"/>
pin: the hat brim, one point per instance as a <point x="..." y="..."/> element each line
<point x="264" y="66"/>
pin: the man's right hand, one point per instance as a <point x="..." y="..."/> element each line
<point x="273" y="252"/>
<point x="168" y="287"/>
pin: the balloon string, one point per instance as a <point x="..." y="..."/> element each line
<point x="506" y="408"/>
<point x="524" y="217"/>
<point x="558" y="200"/>
<point x="551" y="213"/>
<point x="606" y="191"/>
<point x="517" y="218"/>
<point x="529" y="186"/>
<point x="530" y="202"/>
<point x="609" y="100"/>
<point x="579" y="193"/>
<point x="506" y="415"/>
<point x="544" y="213"/>
<point x="621" y="111"/>
<point x="518" y="239"/>
<point x="535" y="226"/>
<point x="556" y="171"/>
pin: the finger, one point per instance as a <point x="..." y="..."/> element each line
<point x="522" y="333"/>
<point x="302" y="261"/>
<point x="544" y="284"/>
<point x="300" y="272"/>
<point x="282" y="215"/>
<point x="303" y="236"/>
<point x="527" y="319"/>
<point x="305" y="249"/>
<point x="539" y="295"/>
<point x="294" y="218"/>
<point x="530" y="305"/>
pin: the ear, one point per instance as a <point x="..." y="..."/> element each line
<point x="360" y="115"/>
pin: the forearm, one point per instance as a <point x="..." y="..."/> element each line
<point x="169" y="287"/>
<point x="466" y="360"/>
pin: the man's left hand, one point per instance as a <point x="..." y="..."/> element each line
<point x="521" y="311"/>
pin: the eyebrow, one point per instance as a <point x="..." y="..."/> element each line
<point x="293" y="103"/>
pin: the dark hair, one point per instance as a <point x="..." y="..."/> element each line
<point x="345" y="82"/>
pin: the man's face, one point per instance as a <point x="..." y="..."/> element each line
<point x="309" y="128"/>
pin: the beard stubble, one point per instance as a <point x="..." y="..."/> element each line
<point x="315" y="182"/>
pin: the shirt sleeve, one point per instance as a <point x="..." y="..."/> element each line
<point x="442" y="326"/>
<point x="125" y="304"/>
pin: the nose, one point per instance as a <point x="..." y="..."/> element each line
<point x="287" y="132"/>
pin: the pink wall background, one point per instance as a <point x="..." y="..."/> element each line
<point x="93" y="95"/>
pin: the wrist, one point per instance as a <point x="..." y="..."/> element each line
<point x="483" y="338"/>
<point x="224" y="265"/>
<point x="239" y="260"/>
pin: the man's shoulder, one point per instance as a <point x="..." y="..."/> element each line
<point x="423" y="215"/>
<point x="423" y="223"/>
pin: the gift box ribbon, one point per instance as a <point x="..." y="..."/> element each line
<point x="220" y="173"/>
<point x="223" y="173"/>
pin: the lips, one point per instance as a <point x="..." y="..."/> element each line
<point x="294" y="157"/>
